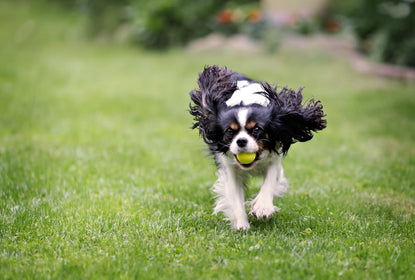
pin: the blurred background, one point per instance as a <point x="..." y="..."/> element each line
<point x="381" y="29"/>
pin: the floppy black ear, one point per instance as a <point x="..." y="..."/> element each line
<point x="216" y="84"/>
<point x="293" y="121"/>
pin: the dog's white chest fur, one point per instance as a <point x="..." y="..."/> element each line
<point x="248" y="93"/>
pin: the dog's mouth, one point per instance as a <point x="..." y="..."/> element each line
<point x="248" y="165"/>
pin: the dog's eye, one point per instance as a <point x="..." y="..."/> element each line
<point x="256" y="131"/>
<point x="230" y="131"/>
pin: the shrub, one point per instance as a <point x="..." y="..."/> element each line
<point x="104" y="16"/>
<point x="163" y="23"/>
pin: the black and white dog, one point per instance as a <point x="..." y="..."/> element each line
<point x="249" y="127"/>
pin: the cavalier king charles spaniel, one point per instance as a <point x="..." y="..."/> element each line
<point x="249" y="126"/>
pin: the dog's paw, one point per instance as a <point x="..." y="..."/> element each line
<point x="241" y="225"/>
<point x="262" y="209"/>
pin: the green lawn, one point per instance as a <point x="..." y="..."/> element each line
<point x="101" y="177"/>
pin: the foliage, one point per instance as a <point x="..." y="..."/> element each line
<point x="384" y="28"/>
<point x="101" y="177"/>
<point x="170" y="22"/>
<point x="104" y="16"/>
<point x="164" y="23"/>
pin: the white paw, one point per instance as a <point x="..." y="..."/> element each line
<point x="241" y="225"/>
<point x="262" y="209"/>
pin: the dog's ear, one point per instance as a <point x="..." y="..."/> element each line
<point x="216" y="84"/>
<point x="292" y="121"/>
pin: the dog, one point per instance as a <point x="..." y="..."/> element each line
<point x="249" y="127"/>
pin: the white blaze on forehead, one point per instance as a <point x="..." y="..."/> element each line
<point x="242" y="117"/>
<point x="242" y="83"/>
<point x="247" y="94"/>
<point x="251" y="145"/>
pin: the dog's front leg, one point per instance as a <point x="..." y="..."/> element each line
<point x="275" y="184"/>
<point x="230" y="201"/>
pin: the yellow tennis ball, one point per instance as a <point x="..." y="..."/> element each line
<point x="246" y="158"/>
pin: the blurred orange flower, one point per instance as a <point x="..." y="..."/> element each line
<point x="254" y="16"/>
<point x="292" y="20"/>
<point x="225" y="16"/>
<point x="332" y="25"/>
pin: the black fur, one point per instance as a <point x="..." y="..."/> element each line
<point x="286" y="119"/>
<point x="216" y="85"/>
<point x="293" y="121"/>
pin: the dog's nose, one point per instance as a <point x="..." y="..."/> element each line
<point x="242" y="142"/>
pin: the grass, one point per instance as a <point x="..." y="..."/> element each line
<point x="101" y="177"/>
